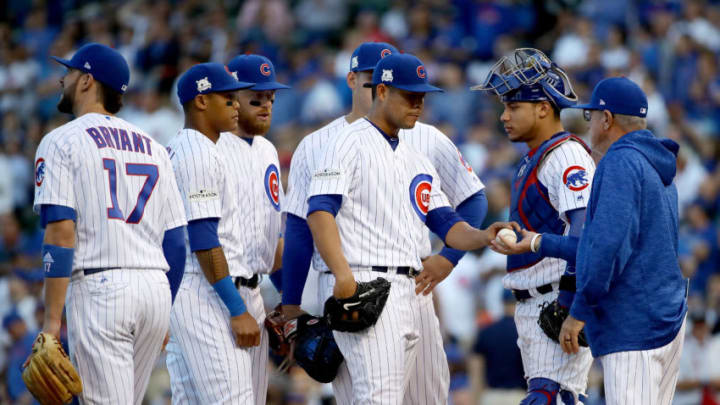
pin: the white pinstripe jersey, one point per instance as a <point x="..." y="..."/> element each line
<point x="564" y="196"/>
<point x="386" y="195"/>
<point x="119" y="182"/>
<point x="257" y="172"/>
<point x="457" y="179"/>
<point x="208" y="190"/>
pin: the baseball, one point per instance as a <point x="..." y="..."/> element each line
<point x="506" y="234"/>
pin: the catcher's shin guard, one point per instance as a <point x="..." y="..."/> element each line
<point x="543" y="391"/>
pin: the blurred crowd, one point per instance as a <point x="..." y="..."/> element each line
<point x="670" y="47"/>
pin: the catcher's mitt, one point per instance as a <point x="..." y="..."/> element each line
<point x="307" y="341"/>
<point x="360" y="311"/>
<point x="552" y="316"/>
<point x="48" y="373"/>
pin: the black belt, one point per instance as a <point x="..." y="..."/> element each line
<point x="403" y="270"/>
<point x="522" y="295"/>
<point x="251" y="282"/>
<point x="98" y="270"/>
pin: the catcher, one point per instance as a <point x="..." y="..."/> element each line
<point x="549" y="194"/>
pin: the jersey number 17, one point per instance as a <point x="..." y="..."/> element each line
<point x="131" y="169"/>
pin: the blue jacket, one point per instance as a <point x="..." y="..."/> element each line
<point x="630" y="291"/>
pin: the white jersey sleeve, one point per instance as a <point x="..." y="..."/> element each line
<point x="298" y="183"/>
<point x="174" y="208"/>
<point x="54" y="172"/>
<point x="438" y="199"/>
<point x="567" y="172"/>
<point x="337" y="169"/>
<point x="199" y="179"/>
<point x="458" y="179"/>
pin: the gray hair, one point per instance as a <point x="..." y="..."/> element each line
<point x="630" y="122"/>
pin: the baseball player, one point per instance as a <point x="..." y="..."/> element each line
<point x="370" y="199"/>
<point x="114" y="224"/>
<point x="631" y="293"/>
<point x="212" y="326"/>
<point x="549" y="194"/>
<point x="257" y="172"/>
<point x="428" y="384"/>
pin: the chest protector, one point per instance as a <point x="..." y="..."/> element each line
<point x="530" y="205"/>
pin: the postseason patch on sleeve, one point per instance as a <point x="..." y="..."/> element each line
<point x="327" y="174"/>
<point x="203" y="195"/>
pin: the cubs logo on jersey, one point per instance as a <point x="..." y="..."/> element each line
<point x="420" y="188"/>
<point x="462" y="160"/>
<point x="272" y="186"/>
<point x="575" y="178"/>
<point x="39" y="171"/>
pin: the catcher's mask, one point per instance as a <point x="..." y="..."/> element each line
<point x="529" y="75"/>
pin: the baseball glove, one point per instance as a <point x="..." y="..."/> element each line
<point x="552" y="316"/>
<point x="362" y="310"/>
<point x="48" y="373"/>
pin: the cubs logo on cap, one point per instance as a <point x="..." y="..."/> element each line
<point x="402" y="71"/>
<point x="256" y="69"/>
<point x="272" y="186"/>
<point x="421" y="71"/>
<point x="39" y="171"/>
<point x="575" y="178"/>
<point x="367" y="55"/>
<point x="420" y="189"/>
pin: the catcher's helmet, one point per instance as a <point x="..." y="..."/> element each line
<point x="315" y="349"/>
<point x="529" y="75"/>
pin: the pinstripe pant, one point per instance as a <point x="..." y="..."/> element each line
<point x="542" y="357"/>
<point x="643" y="377"/>
<point x="429" y="376"/>
<point x="205" y="364"/>
<point x="378" y="360"/>
<point x="117" y="320"/>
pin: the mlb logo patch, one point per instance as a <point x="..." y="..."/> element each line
<point x="203" y="84"/>
<point x="387" y="75"/>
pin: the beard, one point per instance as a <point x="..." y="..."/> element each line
<point x="65" y="105"/>
<point x="248" y="124"/>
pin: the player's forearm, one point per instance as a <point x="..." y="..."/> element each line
<point x="213" y="264"/>
<point x="327" y="239"/>
<point x="58" y="243"/>
<point x="464" y="237"/>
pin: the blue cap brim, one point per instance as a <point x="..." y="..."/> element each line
<point x="269" y="86"/>
<point x="417" y="88"/>
<point x="232" y="87"/>
<point x="586" y="107"/>
<point x="63" y="62"/>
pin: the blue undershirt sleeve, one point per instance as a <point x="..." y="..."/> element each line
<point x="174" y="250"/>
<point x="440" y="220"/>
<point x="473" y="210"/>
<point x="53" y="213"/>
<point x="297" y="255"/>
<point x="326" y="202"/>
<point x="203" y="234"/>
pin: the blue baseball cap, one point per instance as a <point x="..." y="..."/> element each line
<point x="619" y="95"/>
<point x="255" y="69"/>
<point x="367" y="55"/>
<point x="205" y="78"/>
<point x="402" y="71"/>
<point x="105" y="64"/>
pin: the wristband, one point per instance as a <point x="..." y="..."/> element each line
<point x="230" y="296"/>
<point x="532" y="242"/>
<point x="57" y="261"/>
